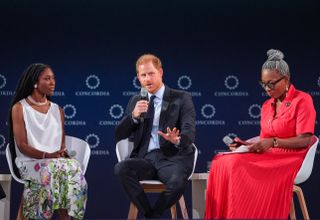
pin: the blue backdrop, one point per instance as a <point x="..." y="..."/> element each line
<point x="212" y="49"/>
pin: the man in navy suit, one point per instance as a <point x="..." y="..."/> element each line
<point x="163" y="130"/>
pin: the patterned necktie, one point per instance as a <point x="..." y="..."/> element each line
<point x="147" y="128"/>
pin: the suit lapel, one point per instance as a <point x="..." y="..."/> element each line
<point x="139" y="131"/>
<point x="164" y="110"/>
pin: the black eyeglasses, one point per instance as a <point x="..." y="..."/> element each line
<point x="270" y="85"/>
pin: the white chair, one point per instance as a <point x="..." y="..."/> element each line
<point x="78" y="145"/>
<point x="303" y="174"/>
<point x="5" y="180"/>
<point x="123" y="150"/>
<point x="82" y="150"/>
<point x="15" y="177"/>
<point x="9" y="160"/>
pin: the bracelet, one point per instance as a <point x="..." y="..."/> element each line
<point x="275" y="142"/>
<point x="44" y="155"/>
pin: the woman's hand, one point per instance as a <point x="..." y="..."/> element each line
<point x="57" y="154"/>
<point x="236" y="143"/>
<point x="233" y="146"/>
<point x="261" y="146"/>
<point x="171" y="135"/>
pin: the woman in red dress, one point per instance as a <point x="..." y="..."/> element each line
<point x="259" y="184"/>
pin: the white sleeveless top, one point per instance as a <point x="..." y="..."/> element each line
<point x="44" y="130"/>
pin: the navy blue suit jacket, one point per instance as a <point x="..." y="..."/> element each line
<point x="177" y="110"/>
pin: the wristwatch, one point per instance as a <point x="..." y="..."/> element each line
<point x="275" y="142"/>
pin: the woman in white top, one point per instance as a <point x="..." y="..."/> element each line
<point x="36" y="125"/>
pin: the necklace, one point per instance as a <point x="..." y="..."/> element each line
<point x="35" y="102"/>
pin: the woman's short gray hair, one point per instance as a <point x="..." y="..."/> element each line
<point x="275" y="62"/>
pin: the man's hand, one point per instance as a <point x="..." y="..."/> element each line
<point x="171" y="135"/>
<point x="141" y="107"/>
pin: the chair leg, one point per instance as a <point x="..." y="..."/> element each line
<point x="302" y="202"/>
<point x="183" y="208"/>
<point x="173" y="210"/>
<point x="133" y="211"/>
<point x="292" y="210"/>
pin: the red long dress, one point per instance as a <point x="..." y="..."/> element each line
<point x="252" y="185"/>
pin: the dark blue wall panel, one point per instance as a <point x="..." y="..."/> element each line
<point x="213" y="49"/>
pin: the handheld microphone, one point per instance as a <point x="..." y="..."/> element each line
<point x="144" y="96"/>
<point x="71" y="153"/>
<point x="228" y="140"/>
<point x="144" y="93"/>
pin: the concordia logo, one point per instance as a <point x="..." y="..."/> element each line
<point x="116" y="112"/>
<point x="2" y="141"/>
<point x="3" y="82"/>
<point x="231" y="78"/>
<point x="254" y="112"/>
<point x="93" y="78"/>
<point x="231" y="82"/>
<point x="94" y="141"/>
<point x="136" y="85"/>
<point x="70" y="112"/>
<point x="92" y="83"/>
<point x="208" y="111"/>
<point x="116" y="108"/>
<point x="184" y="82"/>
<point x="317" y="92"/>
<point x="212" y="111"/>
<point x="232" y="135"/>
